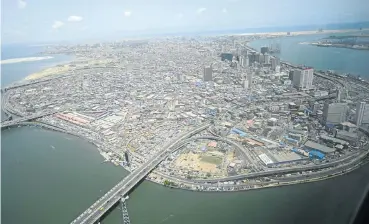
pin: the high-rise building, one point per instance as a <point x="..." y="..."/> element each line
<point x="261" y="58"/>
<point x="208" y="73"/>
<point x="334" y="113"/>
<point x="316" y="107"/>
<point x="362" y="114"/>
<point x="338" y="95"/>
<point x="242" y="60"/>
<point x="247" y="61"/>
<point x="264" y="50"/>
<point x="266" y="58"/>
<point x="249" y="79"/>
<point x="274" y="61"/>
<point x="290" y="75"/>
<point x="303" y="79"/>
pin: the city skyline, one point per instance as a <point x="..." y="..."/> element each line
<point x="25" y="21"/>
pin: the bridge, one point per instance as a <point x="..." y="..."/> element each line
<point x="26" y="118"/>
<point x="117" y="193"/>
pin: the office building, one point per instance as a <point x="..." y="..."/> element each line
<point x="267" y="59"/>
<point x="249" y="79"/>
<point x="275" y="62"/>
<point x="303" y="79"/>
<point x="290" y="75"/>
<point x="334" y="113"/>
<point x="208" y="73"/>
<point x="339" y="95"/>
<point x="247" y="61"/>
<point x="261" y="58"/>
<point x="362" y="114"/>
<point x="244" y="60"/>
<point x="264" y="50"/>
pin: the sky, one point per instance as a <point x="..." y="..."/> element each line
<point x="51" y="20"/>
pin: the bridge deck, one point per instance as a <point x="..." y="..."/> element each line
<point x="98" y="209"/>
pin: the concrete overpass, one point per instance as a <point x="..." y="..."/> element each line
<point x="99" y="208"/>
<point x="26" y="118"/>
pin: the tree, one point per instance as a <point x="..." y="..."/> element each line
<point x="166" y="182"/>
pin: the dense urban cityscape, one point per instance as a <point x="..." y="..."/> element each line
<point x="231" y="117"/>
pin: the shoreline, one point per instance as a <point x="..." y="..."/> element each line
<point x="21" y="60"/>
<point x="66" y="67"/>
<point x="247" y="187"/>
<point x="264" y="184"/>
<point x="297" y="33"/>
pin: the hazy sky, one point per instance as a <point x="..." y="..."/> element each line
<point x="44" y="20"/>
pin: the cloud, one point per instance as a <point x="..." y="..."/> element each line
<point x="224" y="10"/>
<point x="179" y="15"/>
<point x="22" y="4"/>
<point x="200" y="10"/>
<point x="57" y="25"/>
<point x="127" y="13"/>
<point x="75" y="19"/>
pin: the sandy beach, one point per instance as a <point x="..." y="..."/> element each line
<point x="63" y="69"/>
<point x="19" y="60"/>
<point x="49" y="71"/>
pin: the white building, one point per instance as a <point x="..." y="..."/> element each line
<point x="208" y="73"/>
<point x="334" y="113"/>
<point x="275" y="63"/>
<point x="362" y="114"/>
<point x="245" y="84"/>
<point x="303" y="79"/>
<point x="249" y="79"/>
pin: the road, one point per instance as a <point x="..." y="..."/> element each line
<point x="94" y="212"/>
<point x="26" y="118"/>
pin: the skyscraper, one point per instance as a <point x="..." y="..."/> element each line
<point x="362" y="114"/>
<point x="249" y="79"/>
<point x="275" y="62"/>
<point x="208" y="73"/>
<point x="303" y="79"/>
<point x="264" y="50"/>
<point x="334" y="113"/>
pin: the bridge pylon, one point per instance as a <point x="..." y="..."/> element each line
<point x="125" y="215"/>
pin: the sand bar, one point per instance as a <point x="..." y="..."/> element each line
<point x="19" y="60"/>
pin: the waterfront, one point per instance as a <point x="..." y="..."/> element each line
<point x="151" y="203"/>
<point x="49" y="185"/>
<point x="337" y="59"/>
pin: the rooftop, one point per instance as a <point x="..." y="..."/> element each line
<point x="319" y="147"/>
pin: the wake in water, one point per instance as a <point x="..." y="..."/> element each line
<point x="166" y="219"/>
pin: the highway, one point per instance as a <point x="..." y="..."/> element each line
<point x="94" y="212"/>
<point x="26" y="118"/>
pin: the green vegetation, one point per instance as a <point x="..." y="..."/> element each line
<point x="168" y="183"/>
<point x="211" y="159"/>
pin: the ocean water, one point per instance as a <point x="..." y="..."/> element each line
<point x="17" y="71"/>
